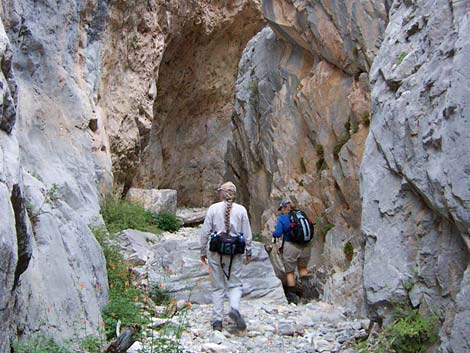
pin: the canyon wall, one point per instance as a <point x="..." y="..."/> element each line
<point x="167" y="88"/>
<point x="301" y="116"/>
<point x="415" y="172"/>
<point x="52" y="168"/>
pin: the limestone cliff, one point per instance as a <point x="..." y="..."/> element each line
<point x="300" y="122"/>
<point x="167" y="88"/>
<point x="415" y="172"/>
<point x="53" y="272"/>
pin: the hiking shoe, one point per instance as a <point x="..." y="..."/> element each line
<point x="292" y="298"/>
<point x="237" y="318"/>
<point x="217" y="325"/>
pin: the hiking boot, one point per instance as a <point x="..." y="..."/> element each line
<point x="217" y="325"/>
<point x="291" y="295"/>
<point x="292" y="298"/>
<point x="238" y="319"/>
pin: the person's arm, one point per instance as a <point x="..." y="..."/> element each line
<point x="279" y="229"/>
<point x="246" y="230"/>
<point x="204" y="236"/>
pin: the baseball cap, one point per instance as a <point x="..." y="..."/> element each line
<point x="228" y="186"/>
<point x="283" y="204"/>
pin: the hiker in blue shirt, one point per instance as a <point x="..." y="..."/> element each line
<point x="293" y="254"/>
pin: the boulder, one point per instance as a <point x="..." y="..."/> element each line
<point x="163" y="200"/>
<point x="191" y="216"/>
<point x="174" y="264"/>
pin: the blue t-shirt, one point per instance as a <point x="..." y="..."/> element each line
<point x="282" y="227"/>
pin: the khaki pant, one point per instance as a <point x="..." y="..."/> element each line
<point x="294" y="254"/>
<point x="221" y="285"/>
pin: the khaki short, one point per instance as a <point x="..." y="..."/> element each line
<point x="294" y="255"/>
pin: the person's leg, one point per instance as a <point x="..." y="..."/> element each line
<point x="289" y="257"/>
<point x="218" y="287"/>
<point x="234" y="285"/>
<point x="290" y="279"/>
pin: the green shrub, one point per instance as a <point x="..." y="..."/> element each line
<point x="401" y="57"/>
<point x="125" y="298"/>
<point x="348" y="251"/>
<point x="119" y="215"/>
<point x="159" y="296"/>
<point x="166" y="221"/>
<point x="39" y="344"/>
<point x="258" y="237"/>
<point x="366" y="119"/>
<point x="412" y="333"/>
<point x="91" y="344"/>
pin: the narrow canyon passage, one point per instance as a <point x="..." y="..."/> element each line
<point x="193" y="108"/>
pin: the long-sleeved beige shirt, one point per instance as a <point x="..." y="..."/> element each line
<point x="214" y="223"/>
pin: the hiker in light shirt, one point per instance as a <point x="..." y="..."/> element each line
<point x="226" y="270"/>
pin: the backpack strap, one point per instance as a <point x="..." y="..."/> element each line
<point x="229" y="266"/>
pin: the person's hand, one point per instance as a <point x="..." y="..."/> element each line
<point x="248" y="259"/>
<point x="203" y="260"/>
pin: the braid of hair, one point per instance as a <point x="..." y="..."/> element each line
<point x="228" y="208"/>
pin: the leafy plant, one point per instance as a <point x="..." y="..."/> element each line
<point x="119" y="215"/>
<point x="348" y="251"/>
<point x="409" y="333"/>
<point x="258" y="237"/>
<point x="124" y="297"/>
<point x="91" y="344"/>
<point x="54" y="192"/>
<point x="401" y="57"/>
<point x="39" y="344"/>
<point x="166" y="221"/>
<point x="159" y="296"/>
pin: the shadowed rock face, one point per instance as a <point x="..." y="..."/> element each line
<point x="301" y="118"/>
<point x="51" y="170"/>
<point x="167" y="90"/>
<point x="414" y="176"/>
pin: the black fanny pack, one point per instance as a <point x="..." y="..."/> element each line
<point x="225" y="244"/>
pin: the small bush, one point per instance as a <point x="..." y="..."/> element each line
<point x="91" y="344"/>
<point x="119" y="215"/>
<point x="124" y="296"/>
<point x="366" y="119"/>
<point x="167" y="221"/>
<point x="401" y="57"/>
<point x="412" y="333"/>
<point x="159" y="296"/>
<point x="258" y="237"/>
<point x="39" y="344"/>
<point x="348" y="251"/>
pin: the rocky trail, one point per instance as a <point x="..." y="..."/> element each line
<point x="171" y="261"/>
